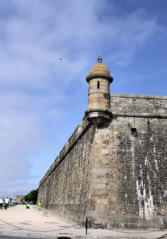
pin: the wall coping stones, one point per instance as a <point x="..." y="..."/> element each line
<point x="143" y="115"/>
<point x="138" y="96"/>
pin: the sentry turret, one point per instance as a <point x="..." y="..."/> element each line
<point x="99" y="79"/>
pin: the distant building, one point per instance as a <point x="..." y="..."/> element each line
<point x="18" y="198"/>
<point x="113" y="170"/>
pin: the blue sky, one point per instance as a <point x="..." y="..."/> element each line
<point x="43" y="98"/>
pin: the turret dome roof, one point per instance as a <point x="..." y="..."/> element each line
<point x="99" y="69"/>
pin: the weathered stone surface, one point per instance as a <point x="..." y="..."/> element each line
<point x="116" y="174"/>
<point x="65" y="187"/>
<point x="139" y="105"/>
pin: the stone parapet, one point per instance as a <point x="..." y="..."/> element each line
<point x="141" y="115"/>
<point x="138" y="105"/>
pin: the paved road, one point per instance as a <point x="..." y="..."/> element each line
<point x="18" y="222"/>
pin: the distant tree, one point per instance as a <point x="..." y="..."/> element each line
<point x="31" y="196"/>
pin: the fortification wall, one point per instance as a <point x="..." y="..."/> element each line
<point x="129" y="181"/>
<point x="65" y="187"/>
<point x="116" y="174"/>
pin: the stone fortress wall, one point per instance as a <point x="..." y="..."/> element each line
<point x="114" y="174"/>
<point x="64" y="188"/>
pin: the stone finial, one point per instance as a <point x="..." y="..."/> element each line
<point x="99" y="59"/>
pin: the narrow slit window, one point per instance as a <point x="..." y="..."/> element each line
<point x="98" y="85"/>
<point x="134" y="132"/>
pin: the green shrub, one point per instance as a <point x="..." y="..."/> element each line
<point x="31" y="196"/>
